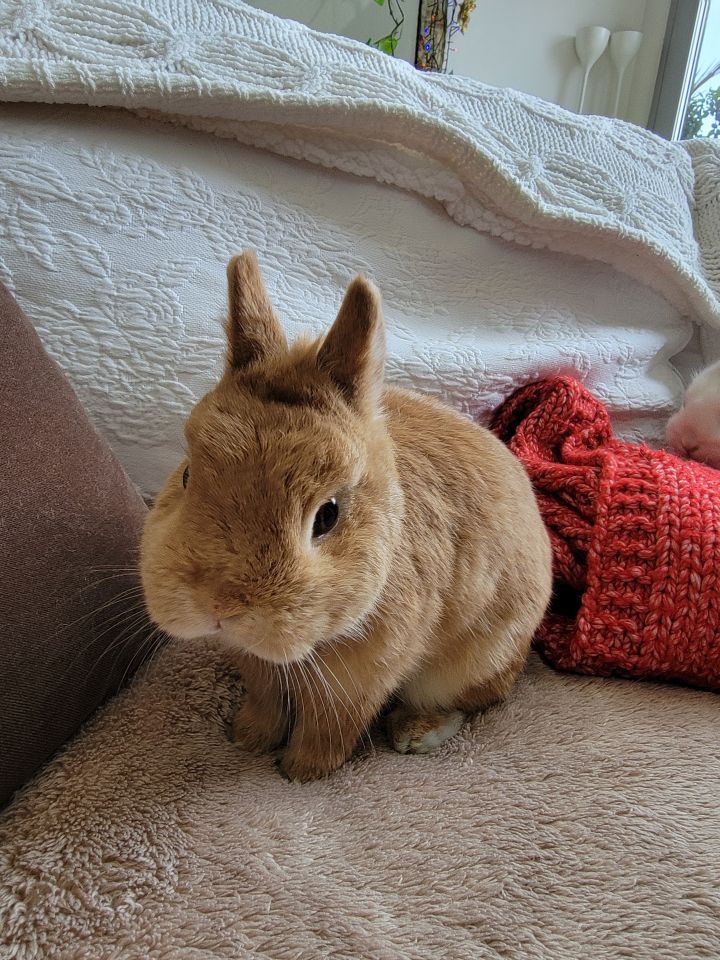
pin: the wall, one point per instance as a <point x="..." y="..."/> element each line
<point x="525" y="44"/>
<point x="358" y="19"/>
<point x="529" y="45"/>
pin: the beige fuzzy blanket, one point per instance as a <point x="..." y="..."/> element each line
<point x="580" y="820"/>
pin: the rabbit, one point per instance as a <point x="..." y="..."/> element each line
<point x="694" y="431"/>
<point x="362" y="549"/>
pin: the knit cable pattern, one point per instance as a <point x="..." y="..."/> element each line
<point x="497" y="160"/>
<point x="636" y="541"/>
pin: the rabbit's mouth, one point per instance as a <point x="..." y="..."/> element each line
<point x="274" y="633"/>
<point x="266" y="636"/>
<point x="181" y="619"/>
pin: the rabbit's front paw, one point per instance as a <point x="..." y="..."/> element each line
<point x="413" y="732"/>
<point x="303" y="765"/>
<point x="257" y="731"/>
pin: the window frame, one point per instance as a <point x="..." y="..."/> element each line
<point x="678" y="62"/>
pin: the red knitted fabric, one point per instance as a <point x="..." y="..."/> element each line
<point x="636" y="541"/>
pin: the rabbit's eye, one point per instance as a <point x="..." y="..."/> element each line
<point x="186" y="475"/>
<point x="325" y="518"/>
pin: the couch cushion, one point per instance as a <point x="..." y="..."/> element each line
<point x="578" y="820"/>
<point x="71" y="621"/>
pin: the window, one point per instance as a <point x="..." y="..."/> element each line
<point x="687" y="94"/>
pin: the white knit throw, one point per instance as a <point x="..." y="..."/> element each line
<point x="497" y="160"/>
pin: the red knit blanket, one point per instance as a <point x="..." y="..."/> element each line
<point x="636" y="541"/>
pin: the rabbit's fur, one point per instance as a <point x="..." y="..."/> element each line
<point x="428" y="589"/>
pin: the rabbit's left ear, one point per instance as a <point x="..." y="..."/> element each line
<point x="253" y="330"/>
<point x="353" y="352"/>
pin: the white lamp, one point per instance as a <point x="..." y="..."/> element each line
<point x="590" y="44"/>
<point x="624" y="46"/>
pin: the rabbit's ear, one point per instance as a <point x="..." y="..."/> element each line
<point x="353" y="352"/>
<point x="253" y="330"/>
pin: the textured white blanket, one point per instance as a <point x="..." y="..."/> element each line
<point x="497" y="160"/>
<point x="114" y="234"/>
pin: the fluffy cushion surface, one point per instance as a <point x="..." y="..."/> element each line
<point x="578" y="820"/>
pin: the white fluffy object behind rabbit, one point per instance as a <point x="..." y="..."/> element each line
<point x="694" y="431"/>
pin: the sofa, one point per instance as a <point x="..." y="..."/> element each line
<point x="142" y="145"/>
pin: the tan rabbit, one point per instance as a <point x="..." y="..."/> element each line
<point x="350" y="542"/>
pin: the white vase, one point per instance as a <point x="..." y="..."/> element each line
<point x="590" y="44"/>
<point x="624" y="46"/>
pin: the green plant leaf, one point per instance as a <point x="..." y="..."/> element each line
<point x="380" y="3"/>
<point x="387" y="44"/>
<point x="702" y="107"/>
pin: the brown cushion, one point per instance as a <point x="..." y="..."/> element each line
<point x="71" y="621"/>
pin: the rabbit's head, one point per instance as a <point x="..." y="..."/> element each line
<point x="277" y="532"/>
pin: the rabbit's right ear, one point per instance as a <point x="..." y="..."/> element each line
<point x="253" y="330"/>
<point x="353" y="352"/>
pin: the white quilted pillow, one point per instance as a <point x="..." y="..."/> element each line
<point x="115" y="231"/>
